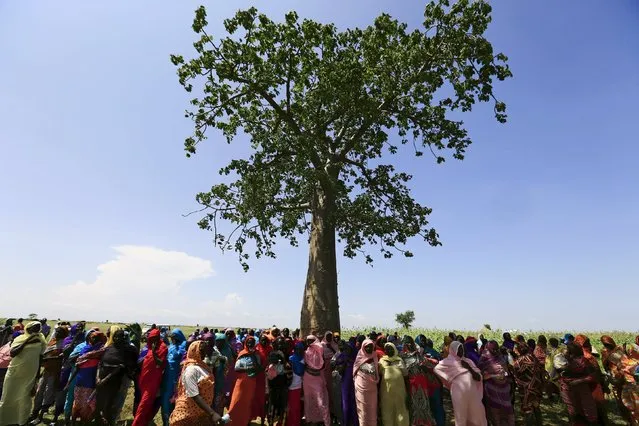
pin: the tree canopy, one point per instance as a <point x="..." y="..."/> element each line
<point x="326" y="111"/>
<point x="405" y="319"/>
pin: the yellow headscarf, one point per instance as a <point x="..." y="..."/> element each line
<point x="112" y="331"/>
<point x="23" y="337"/>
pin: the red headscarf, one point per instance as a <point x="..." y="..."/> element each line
<point x="245" y="350"/>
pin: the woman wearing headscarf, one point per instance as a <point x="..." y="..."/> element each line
<point x="599" y="384"/>
<point x="330" y="349"/>
<point x="425" y="347"/>
<point x="117" y="364"/>
<point x="471" y="349"/>
<point x="195" y="391"/>
<point x="150" y="378"/>
<point x="393" y="388"/>
<point x="294" y="405"/>
<point x="576" y="377"/>
<point x="246" y="367"/>
<point x="5" y="357"/>
<point x="85" y="376"/>
<point x="16" y="401"/>
<point x="175" y="354"/>
<point x="49" y="382"/>
<point x="262" y="350"/>
<point x="366" y="377"/>
<point x="236" y="346"/>
<point x="222" y="370"/>
<point x="497" y="386"/>
<point x="316" y="402"/>
<point x="424" y="387"/>
<point x="540" y="349"/>
<point x="277" y="381"/>
<point x="530" y="377"/>
<point x="623" y="370"/>
<point x="463" y="378"/>
<point x="342" y="364"/>
<point x="79" y="343"/>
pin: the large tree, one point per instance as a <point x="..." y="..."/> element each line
<point x="325" y="112"/>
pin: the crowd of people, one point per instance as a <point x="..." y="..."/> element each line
<point x="83" y="376"/>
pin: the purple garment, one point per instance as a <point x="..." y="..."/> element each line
<point x="349" y="407"/>
<point x="471" y="352"/>
<point x="509" y="344"/>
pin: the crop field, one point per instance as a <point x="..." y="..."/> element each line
<point x="554" y="412"/>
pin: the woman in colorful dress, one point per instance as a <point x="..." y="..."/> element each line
<point x="497" y="386"/>
<point x="330" y="349"/>
<point x="342" y="363"/>
<point x="393" y="388"/>
<point x="316" y="405"/>
<point x="16" y="401"/>
<point x="262" y="350"/>
<point x="150" y="380"/>
<point x="86" y="377"/>
<point x="576" y="379"/>
<point x="116" y="366"/>
<point x="246" y="367"/>
<point x="422" y="382"/>
<point x="530" y="377"/>
<point x="221" y="370"/>
<point x="366" y="377"/>
<point x="294" y="406"/>
<point x="277" y="381"/>
<point x="599" y="384"/>
<point x="463" y="378"/>
<point x="176" y="352"/>
<point x="195" y="391"/>
<point x="623" y="370"/>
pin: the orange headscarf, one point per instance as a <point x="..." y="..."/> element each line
<point x="194" y="356"/>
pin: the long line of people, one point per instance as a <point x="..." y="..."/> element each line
<point x="84" y="376"/>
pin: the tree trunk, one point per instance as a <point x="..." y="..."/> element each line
<point x="320" y="307"/>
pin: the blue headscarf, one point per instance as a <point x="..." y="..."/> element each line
<point x="297" y="361"/>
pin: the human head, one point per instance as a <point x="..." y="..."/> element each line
<point x="368" y="347"/>
<point x="328" y="337"/>
<point x="61" y="332"/>
<point x="34" y="327"/>
<point x="608" y="342"/>
<point x="220" y="341"/>
<point x="568" y="338"/>
<point x="275" y="332"/>
<point x="531" y="344"/>
<point x="520" y="339"/>
<point x="574" y="351"/>
<point x="20" y="320"/>
<point x="119" y="337"/>
<point x="286" y="333"/>
<point x="153" y="336"/>
<point x="460" y="339"/>
<point x="522" y="349"/>
<point x="408" y="343"/>
<point x="299" y="349"/>
<point x="390" y="349"/>
<point x="492" y="347"/>
<point x="456" y="349"/>
<point x="43" y="321"/>
<point x="541" y="341"/>
<point x="250" y="343"/>
<point x="554" y="342"/>
<point x="507" y="337"/>
<point x="264" y="340"/>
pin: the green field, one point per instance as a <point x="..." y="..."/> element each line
<point x="554" y="412"/>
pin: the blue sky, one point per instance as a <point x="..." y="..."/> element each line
<point x="538" y="223"/>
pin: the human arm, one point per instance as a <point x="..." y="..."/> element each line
<point x="15" y="351"/>
<point x="471" y="370"/>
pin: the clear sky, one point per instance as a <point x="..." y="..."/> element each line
<point x="539" y="223"/>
